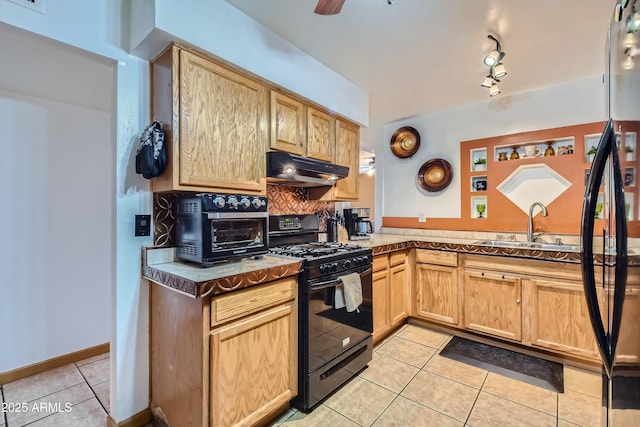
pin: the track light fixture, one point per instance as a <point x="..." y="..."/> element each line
<point x="496" y="68"/>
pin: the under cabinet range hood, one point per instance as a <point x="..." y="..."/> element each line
<point x="296" y="171"/>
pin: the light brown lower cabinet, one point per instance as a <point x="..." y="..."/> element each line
<point x="493" y="304"/>
<point x="390" y="293"/>
<point x="380" y="291"/>
<point x="559" y="317"/>
<point x="538" y="303"/>
<point x="227" y="360"/>
<point x="253" y="367"/>
<point x="437" y="290"/>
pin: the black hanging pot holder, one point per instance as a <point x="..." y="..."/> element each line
<point x="151" y="158"/>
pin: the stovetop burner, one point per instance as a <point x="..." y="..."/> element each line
<point x="314" y="249"/>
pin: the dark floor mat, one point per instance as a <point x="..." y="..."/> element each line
<point x="529" y="369"/>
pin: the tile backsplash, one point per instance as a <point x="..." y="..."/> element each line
<point x="281" y="199"/>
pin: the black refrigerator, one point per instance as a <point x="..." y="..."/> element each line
<point x="610" y="229"/>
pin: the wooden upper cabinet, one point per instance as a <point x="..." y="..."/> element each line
<point x="321" y="135"/>
<point x="347" y="154"/>
<point x="215" y="120"/>
<point x="288" y="130"/>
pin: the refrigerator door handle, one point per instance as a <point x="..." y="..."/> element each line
<point x="586" y="245"/>
<point x="620" y="271"/>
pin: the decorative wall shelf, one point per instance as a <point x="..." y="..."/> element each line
<point x="533" y="183"/>
<point x="479" y="208"/>
<point x="478" y="183"/>
<point x="477" y="157"/>
<point x="535" y="149"/>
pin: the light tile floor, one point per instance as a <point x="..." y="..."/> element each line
<point x="406" y="384"/>
<point x="409" y="384"/>
<point x="74" y="395"/>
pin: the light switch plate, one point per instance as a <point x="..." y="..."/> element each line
<point x="143" y="225"/>
<point x="422" y="216"/>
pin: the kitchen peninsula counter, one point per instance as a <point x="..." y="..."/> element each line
<point x="160" y="265"/>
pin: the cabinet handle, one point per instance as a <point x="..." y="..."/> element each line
<point x="518" y="301"/>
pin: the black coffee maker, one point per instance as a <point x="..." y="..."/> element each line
<point x="356" y="223"/>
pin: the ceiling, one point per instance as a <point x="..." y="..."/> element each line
<point x="414" y="57"/>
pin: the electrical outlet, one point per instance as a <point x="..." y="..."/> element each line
<point x="37" y="5"/>
<point x="422" y="216"/>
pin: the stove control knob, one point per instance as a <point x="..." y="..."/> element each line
<point x="245" y="203"/>
<point x="257" y="203"/>
<point x="233" y="201"/>
<point x="346" y="263"/>
<point x="219" y="202"/>
<point x="334" y="266"/>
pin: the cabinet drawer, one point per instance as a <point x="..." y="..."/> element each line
<point x="396" y="258"/>
<point x="242" y="303"/>
<point x="380" y="262"/>
<point x="437" y="257"/>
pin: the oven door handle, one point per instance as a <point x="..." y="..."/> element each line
<point x="330" y="283"/>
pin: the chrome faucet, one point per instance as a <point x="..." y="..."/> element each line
<point x="530" y="234"/>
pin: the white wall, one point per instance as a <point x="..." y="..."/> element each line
<point x="219" y="28"/>
<point x="99" y="27"/>
<point x="56" y="181"/>
<point x="56" y="258"/>
<point x="571" y="103"/>
<point x="102" y="27"/>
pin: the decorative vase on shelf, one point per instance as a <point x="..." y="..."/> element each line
<point x="549" y="151"/>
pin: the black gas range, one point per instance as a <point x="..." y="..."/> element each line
<point x="325" y="258"/>
<point x="333" y="344"/>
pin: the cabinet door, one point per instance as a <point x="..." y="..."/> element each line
<point x="398" y="294"/>
<point x="321" y="138"/>
<point x="380" y="304"/>
<point x="347" y="154"/>
<point x="628" y="342"/>
<point x="253" y="367"/>
<point x="492" y="304"/>
<point x="222" y="127"/>
<point x="287" y="124"/>
<point x="437" y="293"/>
<point x="552" y="300"/>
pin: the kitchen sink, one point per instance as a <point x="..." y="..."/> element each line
<point x="549" y="246"/>
<point x="529" y="245"/>
<point x="500" y="243"/>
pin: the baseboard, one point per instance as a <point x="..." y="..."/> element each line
<point x="56" y="362"/>
<point x="140" y="419"/>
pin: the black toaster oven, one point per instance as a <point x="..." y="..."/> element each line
<point x="213" y="228"/>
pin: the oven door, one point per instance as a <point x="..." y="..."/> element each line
<point x="333" y="331"/>
<point x="227" y="237"/>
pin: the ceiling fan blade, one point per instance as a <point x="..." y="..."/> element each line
<point x="328" y="7"/>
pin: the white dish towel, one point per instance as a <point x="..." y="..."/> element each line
<point x="349" y="293"/>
